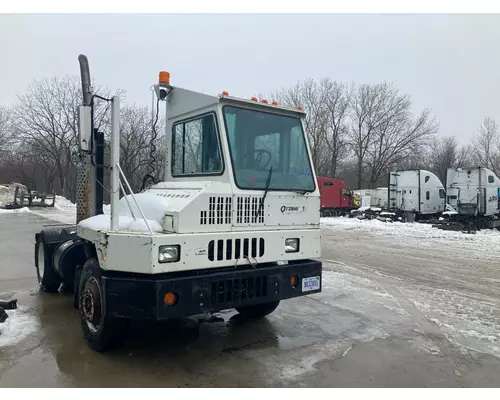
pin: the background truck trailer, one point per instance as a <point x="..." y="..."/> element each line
<point x="234" y="224"/>
<point x="374" y="197"/>
<point x="473" y="192"/>
<point x="336" y="198"/>
<point x="416" y="193"/>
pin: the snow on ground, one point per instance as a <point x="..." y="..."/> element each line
<point x="20" y="324"/>
<point x="484" y="242"/>
<point x="15" y="211"/>
<point x="461" y="303"/>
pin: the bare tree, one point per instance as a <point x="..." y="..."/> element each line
<point x="367" y="114"/>
<point x="46" y="118"/>
<point x="443" y="155"/>
<point x="337" y="103"/>
<point x="384" y="130"/>
<point x="135" y="133"/>
<point x="6" y="129"/>
<point x="486" y="145"/>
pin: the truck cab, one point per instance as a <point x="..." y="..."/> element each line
<point x="473" y="191"/>
<point x="234" y="223"/>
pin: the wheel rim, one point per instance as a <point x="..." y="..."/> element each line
<point x="41" y="261"/>
<point x="91" y="304"/>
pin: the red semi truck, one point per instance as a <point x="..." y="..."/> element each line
<point x="336" y="198"/>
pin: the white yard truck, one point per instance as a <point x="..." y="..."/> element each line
<point x="234" y="224"/>
<point x="416" y="194"/>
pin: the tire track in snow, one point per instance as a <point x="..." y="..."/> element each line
<point x="463" y="363"/>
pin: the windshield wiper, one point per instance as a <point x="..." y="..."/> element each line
<point x="268" y="182"/>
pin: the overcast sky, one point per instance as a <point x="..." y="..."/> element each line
<point x="449" y="63"/>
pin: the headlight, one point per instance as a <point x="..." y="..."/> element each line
<point x="291" y="245"/>
<point x="169" y="253"/>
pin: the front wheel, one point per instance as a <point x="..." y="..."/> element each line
<point x="101" y="332"/>
<point x="259" y="310"/>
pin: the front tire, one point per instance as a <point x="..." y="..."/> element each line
<point x="48" y="278"/>
<point x="101" y="331"/>
<point x="259" y="310"/>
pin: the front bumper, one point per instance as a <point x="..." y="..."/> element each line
<point x="142" y="298"/>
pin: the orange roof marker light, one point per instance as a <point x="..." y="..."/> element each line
<point x="164" y="78"/>
<point x="225" y="93"/>
<point x="299" y="108"/>
<point x="254" y="98"/>
<point x="274" y="103"/>
<point x="265" y="101"/>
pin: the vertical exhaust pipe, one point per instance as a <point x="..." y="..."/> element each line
<point x="85" y="75"/>
<point x="86" y="185"/>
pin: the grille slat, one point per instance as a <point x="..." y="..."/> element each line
<point x="235" y="249"/>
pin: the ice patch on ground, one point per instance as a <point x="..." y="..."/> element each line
<point x="17" y="327"/>
<point x="346" y="291"/>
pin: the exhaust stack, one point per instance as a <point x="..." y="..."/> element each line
<point x="86" y="192"/>
<point x="85" y="75"/>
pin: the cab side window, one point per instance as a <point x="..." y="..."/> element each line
<point x="195" y="147"/>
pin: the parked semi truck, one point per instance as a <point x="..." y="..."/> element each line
<point x="336" y="198"/>
<point x="234" y="223"/>
<point x="475" y="195"/>
<point x="416" y="193"/>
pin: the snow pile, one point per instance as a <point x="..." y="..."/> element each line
<point x="7" y="193"/>
<point x="62" y="203"/>
<point x="18" y="326"/>
<point x="151" y="205"/>
<point x="102" y="223"/>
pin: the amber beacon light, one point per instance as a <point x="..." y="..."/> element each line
<point x="164" y="78"/>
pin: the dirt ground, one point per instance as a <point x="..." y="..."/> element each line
<point x="395" y="311"/>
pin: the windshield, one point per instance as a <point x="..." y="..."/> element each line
<point x="260" y="140"/>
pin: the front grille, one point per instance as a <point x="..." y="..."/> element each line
<point x="233" y="290"/>
<point x="234" y="249"/>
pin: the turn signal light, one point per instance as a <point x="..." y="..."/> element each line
<point x="294" y="280"/>
<point x="164" y="77"/>
<point x="170" y="298"/>
<point x="275" y="103"/>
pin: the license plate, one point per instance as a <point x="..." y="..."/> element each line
<point x="309" y="284"/>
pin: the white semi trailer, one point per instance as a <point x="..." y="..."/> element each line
<point x="418" y="193"/>
<point x="473" y="192"/>
<point x="374" y="197"/>
<point x="234" y="224"/>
